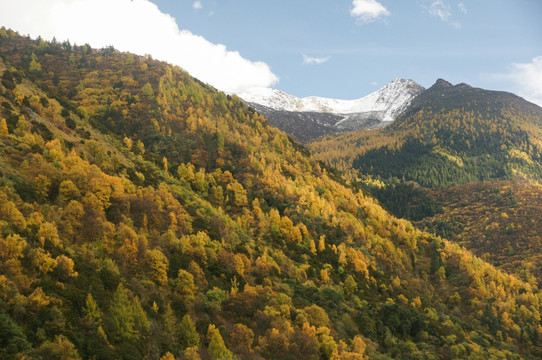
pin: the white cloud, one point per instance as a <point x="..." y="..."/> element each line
<point x="314" y="60"/>
<point x="143" y="29"/>
<point x="197" y="5"/>
<point x="443" y="11"/>
<point x="528" y="79"/>
<point x="462" y="8"/>
<point x="440" y="9"/>
<point x="368" y="10"/>
<point x="524" y="79"/>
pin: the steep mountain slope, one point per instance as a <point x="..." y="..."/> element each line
<point x="146" y="215"/>
<point x="500" y="221"/>
<point x="453" y="135"/>
<point x="448" y="135"/>
<point x="308" y="118"/>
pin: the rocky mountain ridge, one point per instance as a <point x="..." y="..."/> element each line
<point x="308" y="118"/>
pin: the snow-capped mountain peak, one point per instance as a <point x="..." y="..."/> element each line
<point x="308" y="118"/>
<point x="389" y="101"/>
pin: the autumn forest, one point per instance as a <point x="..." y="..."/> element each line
<point x="146" y="215"/>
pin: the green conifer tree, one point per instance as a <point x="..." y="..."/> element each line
<point x="188" y="333"/>
<point x="217" y="349"/>
<point x="120" y="319"/>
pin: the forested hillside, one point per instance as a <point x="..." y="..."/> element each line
<point x="143" y="214"/>
<point x="449" y="135"/>
<point x="500" y="221"/>
<point x="463" y="163"/>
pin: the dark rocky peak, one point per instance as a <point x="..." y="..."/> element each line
<point x="464" y="86"/>
<point x="441" y="83"/>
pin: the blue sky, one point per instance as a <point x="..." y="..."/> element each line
<point x="332" y="48"/>
<point x="472" y="41"/>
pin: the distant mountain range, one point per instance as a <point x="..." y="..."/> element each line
<point x="308" y="118"/>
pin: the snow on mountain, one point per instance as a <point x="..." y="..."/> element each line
<point x="306" y="119"/>
<point x="384" y="105"/>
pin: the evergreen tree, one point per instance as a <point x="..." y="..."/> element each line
<point x="91" y="312"/>
<point x="170" y="331"/>
<point x="188" y="333"/>
<point x="141" y="323"/>
<point x="121" y="320"/>
<point x="217" y="349"/>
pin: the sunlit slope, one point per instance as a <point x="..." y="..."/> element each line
<point x="143" y="213"/>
